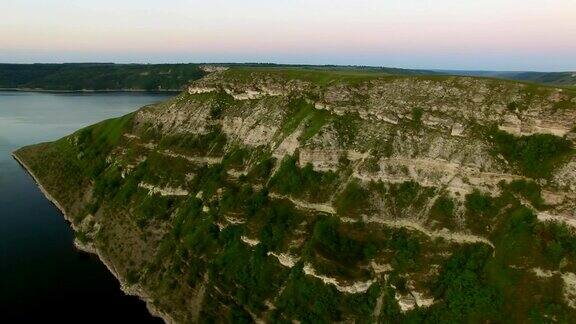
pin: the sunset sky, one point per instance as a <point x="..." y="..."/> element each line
<point x="440" y="34"/>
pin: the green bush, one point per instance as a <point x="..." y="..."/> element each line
<point x="236" y="158"/>
<point x="406" y="250"/>
<point x="352" y="200"/>
<point x="466" y="293"/>
<point x="408" y="193"/>
<point x="262" y="170"/>
<point x="309" y="300"/>
<point x="98" y="76"/>
<point x="557" y="241"/>
<point x="481" y="211"/>
<point x="211" y="143"/>
<point x="536" y="155"/>
<point x="443" y="211"/>
<point x="329" y="239"/>
<point x="278" y="219"/>
<point x="417" y="114"/>
<point x="529" y="190"/>
<point x="303" y="182"/>
<point x="154" y="207"/>
<point x="251" y="277"/>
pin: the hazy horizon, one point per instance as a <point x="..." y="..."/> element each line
<point x="442" y="34"/>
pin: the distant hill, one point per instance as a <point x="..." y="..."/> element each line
<point x="98" y="76"/>
<point x="550" y="78"/>
<point x="175" y="77"/>
<point x="138" y="77"/>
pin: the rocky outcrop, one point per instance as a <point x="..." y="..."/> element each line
<point x="203" y="202"/>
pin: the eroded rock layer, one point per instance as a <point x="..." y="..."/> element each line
<point x="273" y="195"/>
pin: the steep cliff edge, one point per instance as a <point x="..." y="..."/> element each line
<point x="268" y="194"/>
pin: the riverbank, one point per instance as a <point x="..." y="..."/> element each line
<point x="130" y="290"/>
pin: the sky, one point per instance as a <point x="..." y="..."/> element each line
<point x="433" y="34"/>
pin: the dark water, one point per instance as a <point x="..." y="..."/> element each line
<point x="42" y="276"/>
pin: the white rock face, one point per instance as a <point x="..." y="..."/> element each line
<point x="546" y="216"/>
<point x="248" y="130"/>
<point x="354" y="288"/>
<point x="569" y="290"/>
<point x="195" y="159"/>
<point x="566" y="175"/>
<point x="288" y="146"/>
<point x="457" y="130"/>
<point x="166" y="191"/>
<point x="213" y="68"/>
<point x="285" y="259"/>
<point x="406" y="302"/>
<point x="250" y="94"/>
<point x="568" y="281"/>
<point x="411" y="300"/>
<point x="198" y="90"/>
<point x="249" y="241"/>
<point x="321" y="160"/>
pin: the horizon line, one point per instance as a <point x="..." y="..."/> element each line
<point x="293" y="64"/>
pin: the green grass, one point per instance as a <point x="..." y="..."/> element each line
<point x="300" y="111"/>
<point x="313" y="124"/>
<point x="95" y="142"/>
<point x="319" y="77"/>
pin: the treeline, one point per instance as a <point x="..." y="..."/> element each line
<point x="98" y="76"/>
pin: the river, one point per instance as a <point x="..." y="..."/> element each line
<point x="41" y="274"/>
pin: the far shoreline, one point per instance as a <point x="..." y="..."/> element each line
<point x="88" y="91"/>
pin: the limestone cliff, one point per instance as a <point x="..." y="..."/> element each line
<point x="285" y="194"/>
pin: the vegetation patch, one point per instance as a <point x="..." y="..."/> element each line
<point x="346" y="127"/>
<point x="417" y="114"/>
<point x="481" y="212"/>
<point x="302" y="112"/>
<point x="408" y="194"/>
<point x="442" y="212"/>
<point x="353" y="200"/>
<point x="262" y="170"/>
<point x="212" y="143"/>
<point x="529" y="190"/>
<point x="311" y="301"/>
<point x="99" y="76"/>
<point x="95" y="142"/>
<point x="536" y="155"/>
<point x="466" y="293"/>
<point x="330" y="240"/>
<point x="303" y="182"/>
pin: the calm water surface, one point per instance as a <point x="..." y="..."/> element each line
<point x="41" y="274"/>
